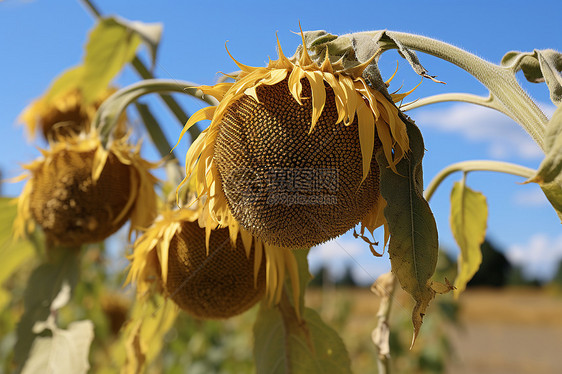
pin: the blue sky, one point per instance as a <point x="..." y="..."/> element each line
<point x="39" y="39"/>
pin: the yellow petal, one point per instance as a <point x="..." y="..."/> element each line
<point x="305" y="59"/>
<point x="201" y="114"/>
<point x="366" y="123"/>
<point x="318" y="90"/>
<point x="258" y="253"/>
<point x="386" y="140"/>
<point x="295" y="85"/>
<point x="244" y="68"/>
<point x="351" y="97"/>
<point x="339" y="95"/>
<point x="218" y="90"/>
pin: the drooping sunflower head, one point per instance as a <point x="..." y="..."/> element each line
<point x="289" y="153"/>
<point x="208" y="273"/>
<point x="64" y="115"/>
<point x="79" y="192"/>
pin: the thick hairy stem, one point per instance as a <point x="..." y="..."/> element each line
<point x="488" y="102"/>
<point x="478" y="165"/>
<point x="145" y="73"/>
<point x="499" y="80"/>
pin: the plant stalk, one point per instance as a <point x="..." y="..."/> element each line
<point x="145" y="73"/>
<point x="385" y="288"/>
<point x="499" y="80"/>
<point x="477" y="165"/>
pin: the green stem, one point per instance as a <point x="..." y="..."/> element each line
<point x="488" y="102"/>
<point x="155" y="132"/>
<point x="499" y="80"/>
<point x="145" y="73"/>
<point x="109" y="112"/>
<point x="477" y="165"/>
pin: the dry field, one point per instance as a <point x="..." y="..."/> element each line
<point x="515" y="331"/>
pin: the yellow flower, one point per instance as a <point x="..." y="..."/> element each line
<point x="64" y="115"/>
<point x="208" y="273"/>
<point x="289" y="151"/>
<point x="79" y="192"/>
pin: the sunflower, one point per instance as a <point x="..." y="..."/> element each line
<point x="79" y="192"/>
<point x="64" y="115"/>
<point x="289" y="151"/>
<point x="208" y="273"/>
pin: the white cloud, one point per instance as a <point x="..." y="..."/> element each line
<point x="338" y="254"/>
<point x="539" y="257"/>
<point x="479" y="124"/>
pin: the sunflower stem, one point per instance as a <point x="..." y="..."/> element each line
<point x="108" y="114"/>
<point x="499" y="80"/>
<point x="145" y="73"/>
<point x="488" y="102"/>
<point x="477" y="165"/>
<point x="154" y="131"/>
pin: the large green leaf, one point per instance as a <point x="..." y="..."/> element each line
<point x="68" y="80"/>
<point x="413" y="246"/>
<point x="43" y="286"/>
<point x="13" y="253"/>
<point x="549" y="174"/>
<point x="65" y="351"/>
<point x="285" y="343"/>
<point x="539" y="66"/>
<point x="469" y="215"/>
<point x="110" y="46"/>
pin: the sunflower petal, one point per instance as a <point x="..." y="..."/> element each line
<point x="366" y="123"/>
<point x="295" y="85"/>
<point x="351" y="98"/>
<point x="201" y="114"/>
<point x="244" y="68"/>
<point x="218" y="90"/>
<point x="386" y="140"/>
<point x="318" y="95"/>
<point x="258" y="254"/>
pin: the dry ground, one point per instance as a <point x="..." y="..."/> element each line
<point x="515" y="331"/>
<point x="510" y="331"/>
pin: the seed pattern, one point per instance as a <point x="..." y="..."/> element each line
<point x="256" y="138"/>
<point x="70" y="207"/>
<point x="213" y="286"/>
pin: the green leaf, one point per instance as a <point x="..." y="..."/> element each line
<point x="68" y="80"/>
<point x="301" y="255"/>
<point x="539" y="66"/>
<point x="553" y="192"/>
<point x="143" y="334"/>
<point x="13" y="253"/>
<point x="551" y="166"/>
<point x="65" y="352"/>
<point x="150" y="33"/>
<point x="469" y="215"/>
<point x="110" y="46"/>
<point x="283" y="344"/>
<point x="43" y="286"/>
<point x="549" y="174"/>
<point x="413" y="246"/>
